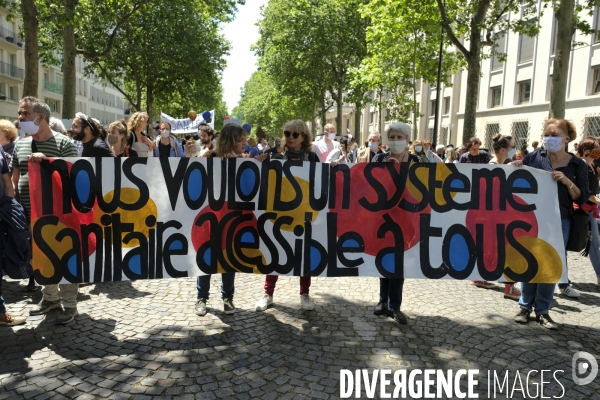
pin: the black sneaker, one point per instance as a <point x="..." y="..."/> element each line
<point x="547" y="322"/>
<point x="44" y="306"/>
<point x="66" y="316"/>
<point x="200" y="308"/>
<point x="398" y="316"/>
<point x="380" y="308"/>
<point x="228" y="307"/>
<point x="522" y="316"/>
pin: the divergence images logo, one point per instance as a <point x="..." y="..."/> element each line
<point x="581" y="364"/>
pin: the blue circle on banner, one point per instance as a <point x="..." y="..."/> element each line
<point x="247" y="181"/>
<point x="459" y="253"/>
<point x="388" y="262"/>
<point x="315" y="258"/>
<point x="82" y="185"/>
<point x="135" y="264"/>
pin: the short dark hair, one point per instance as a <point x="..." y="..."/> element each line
<point x="206" y="128"/>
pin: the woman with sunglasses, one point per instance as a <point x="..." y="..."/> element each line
<point x="390" y="289"/>
<point x="297" y="145"/>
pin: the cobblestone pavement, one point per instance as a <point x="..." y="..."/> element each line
<point x="142" y="340"/>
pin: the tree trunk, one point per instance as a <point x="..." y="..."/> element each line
<point x="357" y="113"/>
<point x="323" y="113"/>
<point x="414" y="87"/>
<point x="68" y="65"/>
<point x="149" y="105"/>
<point x="340" y="107"/>
<point x="471" y="98"/>
<point x="30" y="29"/>
<point x="314" y="119"/>
<point x="565" y="30"/>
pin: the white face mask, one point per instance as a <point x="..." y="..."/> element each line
<point x="373" y="146"/>
<point x="165" y="133"/>
<point x="397" y="146"/>
<point x="552" y="143"/>
<point x="29" y="127"/>
<point x="511" y="153"/>
<point x="331" y="135"/>
<point x="418" y="149"/>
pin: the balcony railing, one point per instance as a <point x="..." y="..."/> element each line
<point x="11" y="37"/>
<point x="53" y="87"/>
<point x="12" y="71"/>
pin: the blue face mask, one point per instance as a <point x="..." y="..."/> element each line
<point x="511" y="153"/>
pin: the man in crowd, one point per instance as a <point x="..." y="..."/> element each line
<point x="263" y="145"/>
<point x="207" y="135"/>
<point x="535" y="145"/>
<point x="322" y="148"/>
<point x="440" y="149"/>
<point x="374" y="142"/>
<point x="34" y="116"/>
<point x="524" y="148"/>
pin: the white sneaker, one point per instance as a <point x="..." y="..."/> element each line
<point x="569" y="291"/>
<point x="265" y="302"/>
<point x="306" y="302"/>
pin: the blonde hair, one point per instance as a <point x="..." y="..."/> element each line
<point x="297" y="125"/>
<point x="121" y="129"/>
<point x="251" y="142"/>
<point x="9" y="129"/>
<point x="564" y="125"/>
<point x="227" y="139"/>
<point x="136" y="119"/>
<point x="451" y="154"/>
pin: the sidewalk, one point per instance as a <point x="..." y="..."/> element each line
<point x="142" y="340"/>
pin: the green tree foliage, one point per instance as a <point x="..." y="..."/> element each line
<point x="403" y="42"/>
<point x="263" y="105"/>
<point x="308" y="47"/>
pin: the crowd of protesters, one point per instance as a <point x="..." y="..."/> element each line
<point x="35" y="136"/>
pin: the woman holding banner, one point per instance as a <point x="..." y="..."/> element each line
<point x="230" y="144"/>
<point x="117" y="139"/>
<point x="390" y="289"/>
<point x="139" y="140"/>
<point x="297" y="145"/>
<point x="571" y="176"/>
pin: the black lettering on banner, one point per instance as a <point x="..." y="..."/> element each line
<point x="309" y="245"/>
<point x="128" y="165"/>
<point x="168" y="251"/>
<point x="419" y="186"/>
<point x="488" y="176"/>
<point x="230" y="240"/>
<point x="47" y="168"/>
<point x="86" y="204"/>
<point x="532" y="189"/>
<point x="232" y="203"/>
<point x="266" y="239"/>
<point x="396" y="251"/>
<point x="46" y="249"/>
<point x="280" y="205"/>
<point x="334" y="249"/>
<point x="118" y="229"/>
<point x="341" y="249"/>
<point x="239" y="246"/>
<point x="74" y="251"/>
<point x="427" y="231"/>
<point x="219" y="245"/>
<point x="111" y="206"/>
<point x="461" y="230"/>
<point x="495" y="274"/>
<point x="194" y="204"/>
<point x="150" y="223"/>
<point x="382" y="202"/>
<point x="213" y="203"/>
<point x="108" y="259"/>
<point x="455" y="183"/>
<point x="210" y="245"/>
<point x="321" y="202"/>
<point x="345" y="171"/>
<point x="263" y="195"/>
<point x="293" y="261"/>
<point x="86" y="231"/>
<point x="141" y="252"/>
<point x="532" y="264"/>
<point x="174" y="182"/>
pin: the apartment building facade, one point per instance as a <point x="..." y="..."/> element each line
<point x="92" y="98"/>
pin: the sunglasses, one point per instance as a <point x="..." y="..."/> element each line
<point x="294" y="134"/>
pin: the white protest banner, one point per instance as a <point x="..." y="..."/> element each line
<point x="118" y="219"/>
<point x="186" y="125"/>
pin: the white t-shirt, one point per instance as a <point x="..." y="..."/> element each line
<point x="323" y="149"/>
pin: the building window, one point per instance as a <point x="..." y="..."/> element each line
<point x="54" y="105"/>
<point x="496" y="96"/>
<point x="446" y="105"/>
<point x="432" y="108"/>
<point x="596" y="36"/>
<point x="591" y="126"/>
<point x="13" y="93"/>
<point x="347" y="121"/>
<point x="372" y="117"/>
<point x="500" y="40"/>
<point x="491" y="129"/>
<point x="526" y="51"/>
<point x="596" y="82"/>
<point x="524" y="92"/>
<point x="443" y="139"/>
<point x="554" y="36"/>
<point x="520" y="132"/>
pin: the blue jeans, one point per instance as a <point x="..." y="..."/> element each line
<point x="2" y="303"/>
<point x="595" y="246"/>
<point x="227" y="289"/>
<point x="390" y="292"/>
<point x="540" y="295"/>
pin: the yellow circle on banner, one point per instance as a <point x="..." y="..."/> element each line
<point x="288" y="193"/>
<point x="549" y="263"/>
<point x="135" y="217"/>
<point x="442" y="172"/>
<point x="40" y="261"/>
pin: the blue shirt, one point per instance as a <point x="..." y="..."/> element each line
<point x="576" y="171"/>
